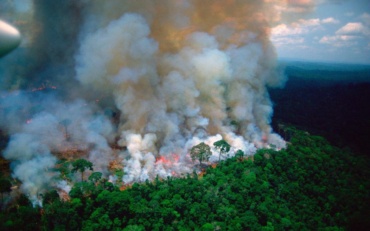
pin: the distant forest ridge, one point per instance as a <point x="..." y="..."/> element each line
<point x="326" y="73"/>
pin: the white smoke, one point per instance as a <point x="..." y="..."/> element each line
<point x="139" y="82"/>
<point x="165" y="97"/>
<point x="57" y="128"/>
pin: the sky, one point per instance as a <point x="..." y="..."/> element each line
<point x="315" y="30"/>
<point x="335" y="31"/>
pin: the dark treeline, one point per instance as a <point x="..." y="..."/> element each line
<point x="311" y="185"/>
<point x="326" y="101"/>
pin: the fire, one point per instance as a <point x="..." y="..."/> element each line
<point x="169" y="163"/>
<point x="170" y="160"/>
<point x="161" y="73"/>
<point x="163" y="160"/>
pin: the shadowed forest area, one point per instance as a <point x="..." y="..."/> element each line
<point x="331" y="100"/>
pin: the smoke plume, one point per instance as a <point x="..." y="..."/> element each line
<point x="138" y="83"/>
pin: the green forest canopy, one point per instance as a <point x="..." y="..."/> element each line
<point x="311" y="185"/>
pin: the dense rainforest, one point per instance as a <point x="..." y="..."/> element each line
<point x="315" y="184"/>
<point x="311" y="185"/>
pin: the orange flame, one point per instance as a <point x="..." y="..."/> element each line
<point x="171" y="159"/>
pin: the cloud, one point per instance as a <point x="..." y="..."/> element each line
<point x="353" y="28"/>
<point x="330" y="21"/>
<point x="339" y="40"/>
<point x="296" y="28"/>
<point x="288" y="41"/>
<point x="291" y="34"/>
<point x="283" y="35"/>
<point x="351" y="34"/>
<point x="285" y="30"/>
<point x="309" y="22"/>
<point x="301" y="26"/>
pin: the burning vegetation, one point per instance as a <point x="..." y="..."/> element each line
<point x="139" y="85"/>
<point x="147" y="91"/>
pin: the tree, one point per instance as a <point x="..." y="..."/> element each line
<point x="208" y="226"/>
<point x="81" y="165"/>
<point x="134" y="228"/>
<point x="239" y="154"/>
<point x="63" y="166"/>
<point x="222" y="146"/>
<point x="50" y="197"/>
<point x="95" y="176"/>
<point x="201" y="152"/>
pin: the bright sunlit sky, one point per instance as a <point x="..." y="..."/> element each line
<point x="337" y="31"/>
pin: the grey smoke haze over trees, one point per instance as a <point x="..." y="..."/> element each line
<point x="175" y="74"/>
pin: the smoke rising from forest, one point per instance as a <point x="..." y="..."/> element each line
<point x="137" y="83"/>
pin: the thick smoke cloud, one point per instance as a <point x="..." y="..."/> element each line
<point x="137" y="83"/>
<point x="52" y="130"/>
